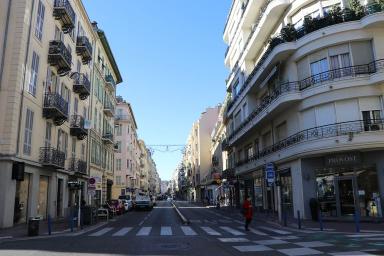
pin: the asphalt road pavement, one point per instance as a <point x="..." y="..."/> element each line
<point x="211" y="232"/>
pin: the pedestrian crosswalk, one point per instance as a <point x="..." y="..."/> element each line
<point x="195" y="230"/>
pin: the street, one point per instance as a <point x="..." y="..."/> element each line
<point x="211" y="232"/>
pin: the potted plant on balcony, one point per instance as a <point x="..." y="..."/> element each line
<point x="288" y="33"/>
<point x="309" y="25"/>
<point x="357" y="9"/>
<point x="336" y="15"/>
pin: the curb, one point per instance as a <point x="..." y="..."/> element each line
<point x="182" y="217"/>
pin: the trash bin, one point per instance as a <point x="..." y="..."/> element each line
<point x="314" y="205"/>
<point x="33" y="226"/>
<point x="86" y="215"/>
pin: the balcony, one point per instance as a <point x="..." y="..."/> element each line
<point x="109" y="108"/>
<point x="264" y="62"/>
<point x="108" y="138"/>
<point x="60" y="57"/>
<point x="63" y="11"/>
<point x="52" y="157"/>
<point x="82" y="86"/>
<point x="77" y="127"/>
<point x="121" y="118"/>
<point x="84" y="49"/>
<point x="348" y="129"/>
<point x="110" y="82"/>
<point x="55" y="108"/>
<point x="77" y="166"/>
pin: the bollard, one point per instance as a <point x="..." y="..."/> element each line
<point x="285" y="218"/>
<point x="321" y="221"/>
<point x="298" y="219"/>
<point x="49" y="225"/>
<point x="71" y="221"/>
<point x="357" y="221"/>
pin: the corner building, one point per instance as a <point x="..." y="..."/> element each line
<point x="45" y="69"/>
<point x="306" y="87"/>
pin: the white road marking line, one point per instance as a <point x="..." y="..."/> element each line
<point x="234" y="240"/>
<point x="141" y="223"/>
<point x="256" y="232"/>
<point x="122" y="232"/>
<point x="166" y="231"/>
<point x="363" y="235"/>
<point x="232" y="231"/>
<point x="6" y="237"/>
<point x="239" y="222"/>
<point x="278" y="231"/>
<point x="188" y="231"/>
<point x="210" y="231"/>
<point x="144" y="231"/>
<point x="101" y="232"/>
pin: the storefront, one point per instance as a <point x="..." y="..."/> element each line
<point x="22" y="199"/>
<point x="347" y="184"/>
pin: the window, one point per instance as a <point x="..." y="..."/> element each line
<point x="257" y="147"/>
<point x="340" y="64"/>
<point x="62" y="142"/>
<point x="245" y="111"/>
<point x="48" y="134"/>
<point x="249" y="152"/>
<point x="75" y="106"/>
<point x="118" y="180"/>
<point x="237" y="119"/>
<point x="28" y="132"/>
<point x="371" y="120"/>
<point x="83" y="152"/>
<point x="119" y="129"/>
<point x="73" y="148"/>
<point x="40" y="21"/>
<point x="34" y="74"/>
<point x="118" y="164"/>
<point x="267" y="139"/>
<point x="236" y="88"/>
<point x="118" y="146"/>
<point x="281" y="131"/>
<point x="58" y="34"/>
<point x="318" y="68"/>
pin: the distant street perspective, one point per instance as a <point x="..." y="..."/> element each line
<point x="193" y="127"/>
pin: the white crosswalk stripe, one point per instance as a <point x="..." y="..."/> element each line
<point x="232" y="231"/>
<point x="101" y="232"/>
<point x="256" y="232"/>
<point x="277" y="231"/>
<point x="188" y="231"/>
<point x="210" y="231"/>
<point x="144" y="231"/>
<point x="122" y="232"/>
<point x="166" y="231"/>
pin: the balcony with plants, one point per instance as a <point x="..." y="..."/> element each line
<point x="84" y="49"/>
<point x="52" y="157"/>
<point x="63" y="11"/>
<point x="55" y="108"/>
<point x="59" y="57"/>
<point x="77" y="128"/>
<point x="289" y="34"/>
<point x="82" y="86"/>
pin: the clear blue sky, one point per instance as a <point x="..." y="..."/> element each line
<point x="171" y="57"/>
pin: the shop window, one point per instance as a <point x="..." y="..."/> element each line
<point x="326" y="195"/>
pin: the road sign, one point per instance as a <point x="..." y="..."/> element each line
<point x="270" y="173"/>
<point x="91" y="181"/>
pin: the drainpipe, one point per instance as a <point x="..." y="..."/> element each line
<point x="24" y="77"/>
<point x="5" y="41"/>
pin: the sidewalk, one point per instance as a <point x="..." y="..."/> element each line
<point x="309" y="225"/>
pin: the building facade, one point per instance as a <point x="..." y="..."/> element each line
<point x="305" y="116"/>
<point x="197" y="156"/>
<point x="125" y="154"/>
<point x="45" y="83"/>
<point x="106" y="76"/>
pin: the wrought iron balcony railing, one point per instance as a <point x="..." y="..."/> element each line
<point x="78" y="166"/>
<point x="77" y="127"/>
<point x="55" y="108"/>
<point x="109" y="108"/>
<point x="301" y="32"/>
<point x="321" y="132"/>
<point x="108" y="137"/>
<point x="328" y="76"/>
<point x="84" y="49"/>
<point x="82" y="86"/>
<point x="110" y="82"/>
<point x="60" y="57"/>
<point x="63" y="11"/>
<point x="52" y="157"/>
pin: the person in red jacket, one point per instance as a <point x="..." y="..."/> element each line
<point x="248" y="212"/>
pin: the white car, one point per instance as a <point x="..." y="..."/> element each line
<point x="127" y="202"/>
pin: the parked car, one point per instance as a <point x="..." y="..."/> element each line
<point x="127" y="202"/>
<point x="143" y="202"/>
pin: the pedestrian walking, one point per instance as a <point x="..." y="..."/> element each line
<point x="248" y="212"/>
